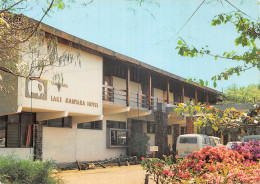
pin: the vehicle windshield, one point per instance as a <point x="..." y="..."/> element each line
<point x="188" y="140"/>
<point x="252" y="139"/>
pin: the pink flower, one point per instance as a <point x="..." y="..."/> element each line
<point x="158" y="164"/>
<point x="200" y="162"/>
<point x="142" y="158"/>
<point x="211" y="168"/>
<point x="183" y="175"/>
<point x="166" y="172"/>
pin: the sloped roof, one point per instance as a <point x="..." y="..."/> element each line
<point x="102" y="51"/>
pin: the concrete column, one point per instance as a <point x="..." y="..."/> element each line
<point x="128" y="86"/>
<point x="161" y="138"/>
<point x="196" y="96"/>
<point x="38" y="131"/>
<point x="189" y="125"/>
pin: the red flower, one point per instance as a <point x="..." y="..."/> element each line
<point x="211" y="168"/>
<point x="183" y="175"/>
<point x="158" y="164"/>
<point x="142" y="158"/>
<point x="165" y="172"/>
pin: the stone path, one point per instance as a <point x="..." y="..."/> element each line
<point x="133" y="174"/>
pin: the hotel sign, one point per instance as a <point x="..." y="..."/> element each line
<point x="37" y="89"/>
<point x="74" y="101"/>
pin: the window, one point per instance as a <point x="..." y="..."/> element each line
<point x="169" y="130"/>
<point x="150" y="128"/>
<point x="188" y="140"/>
<point x="59" y="122"/>
<point x="95" y="125"/>
<point x="3" y="122"/>
<point x="117" y="134"/>
<point x="206" y="141"/>
<point x="16" y="130"/>
<point x="183" y="130"/>
<point x="116" y="124"/>
<point x="119" y="137"/>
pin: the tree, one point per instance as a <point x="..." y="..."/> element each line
<point x="249" y="33"/>
<point x="210" y="120"/>
<point x="22" y="41"/>
<point x="243" y="95"/>
<point x="138" y="145"/>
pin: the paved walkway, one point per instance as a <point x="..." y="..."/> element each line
<point x="133" y="174"/>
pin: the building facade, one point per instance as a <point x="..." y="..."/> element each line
<point x="92" y="113"/>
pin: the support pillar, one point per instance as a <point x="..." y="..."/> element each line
<point x="127" y="86"/>
<point x="196" y="96"/>
<point x="182" y="100"/>
<point x="168" y="91"/>
<point x="149" y="90"/>
<point x="189" y="125"/>
<point x="161" y="138"/>
<point x="38" y="131"/>
<point x="207" y="98"/>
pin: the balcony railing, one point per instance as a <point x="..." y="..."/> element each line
<point x="119" y="96"/>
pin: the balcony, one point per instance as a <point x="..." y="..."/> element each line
<point x="118" y="97"/>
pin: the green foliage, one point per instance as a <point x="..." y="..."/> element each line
<point x="17" y="171"/>
<point x="138" y="144"/>
<point x="201" y="82"/>
<point x="209" y="118"/>
<point x="242" y="95"/>
<point x="249" y="34"/>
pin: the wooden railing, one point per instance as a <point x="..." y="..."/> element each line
<point x="116" y="95"/>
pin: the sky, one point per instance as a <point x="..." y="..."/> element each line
<point x="149" y="33"/>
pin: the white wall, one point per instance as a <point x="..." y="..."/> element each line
<point x="158" y="93"/>
<point x="82" y="82"/>
<point x="23" y="153"/>
<point x="135" y="88"/>
<point x="71" y="144"/>
<point x="119" y="96"/>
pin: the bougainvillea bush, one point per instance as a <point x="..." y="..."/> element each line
<point x="210" y="165"/>
<point x="250" y="150"/>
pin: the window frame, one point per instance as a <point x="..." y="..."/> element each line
<point x="169" y="130"/>
<point x="92" y="124"/>
<point x="45" y="122"/>
<point x="150" y="126"/>
<point x="24" y="130"/>
<point x="109" y="138"/>
<point x="119" y="125"/>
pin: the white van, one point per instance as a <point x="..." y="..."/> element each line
<point x="250" y="138"/>
<point x="188" y="143"/>
<point x="217" y="141"/>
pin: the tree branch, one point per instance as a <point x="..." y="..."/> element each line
<point x="7" y="9"/>
<point x="38" y="24"/>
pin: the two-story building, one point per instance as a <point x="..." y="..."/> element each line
<point x="92" y="113"/>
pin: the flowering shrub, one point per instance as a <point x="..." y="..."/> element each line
<point x="250" y="150"/>
<point x="210" y="165"/>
